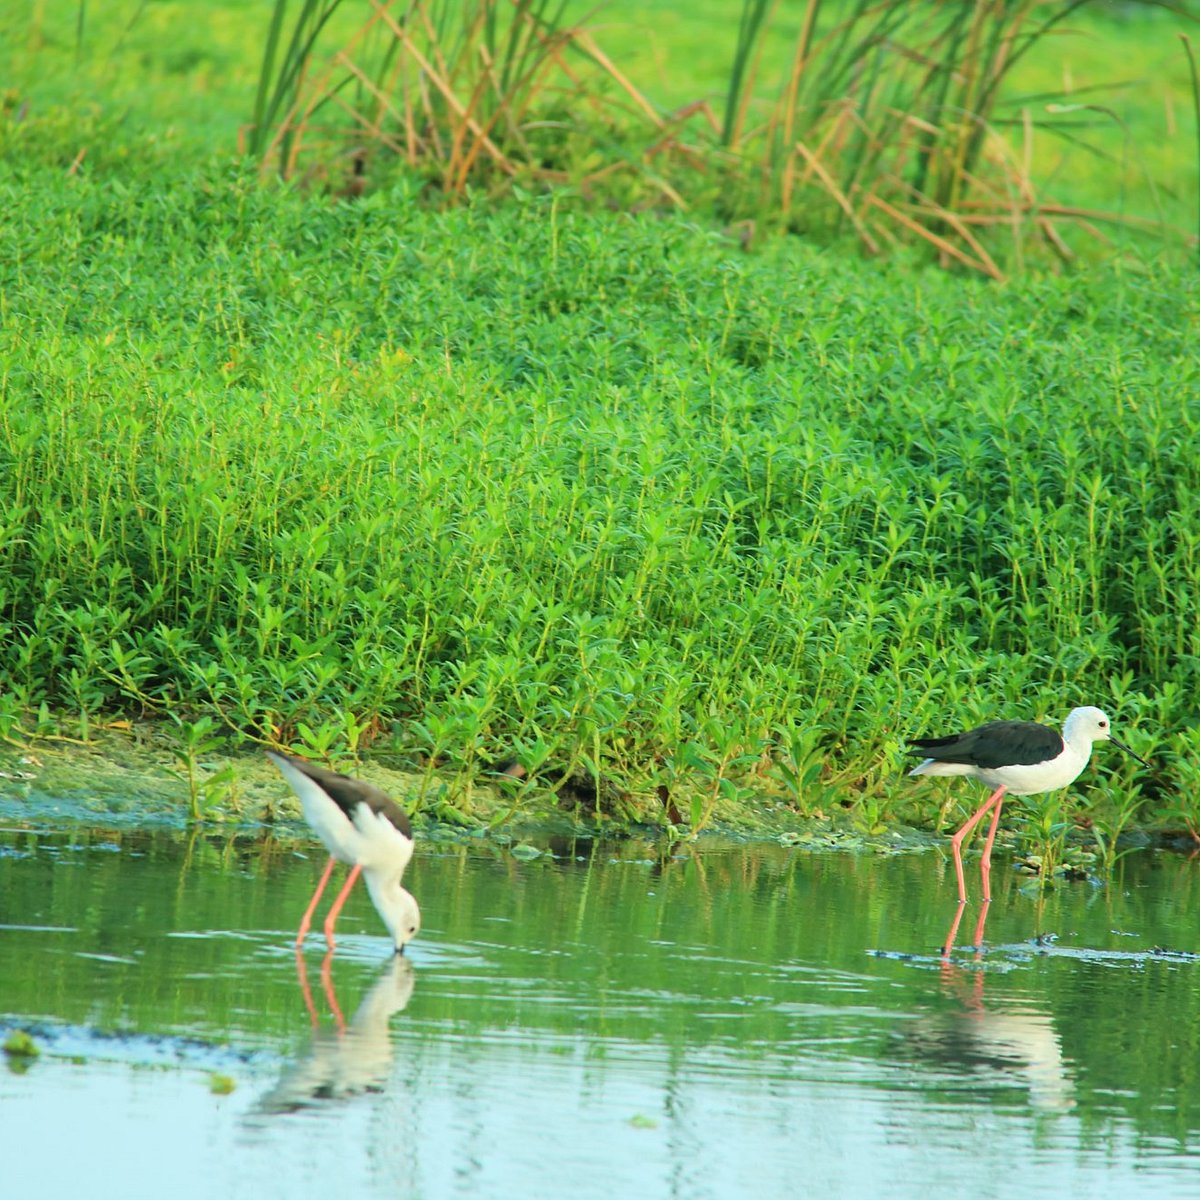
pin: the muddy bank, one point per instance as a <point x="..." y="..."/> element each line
<point x="132" y="776"/>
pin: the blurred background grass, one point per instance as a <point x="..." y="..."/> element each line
<point x="171" y="81"/>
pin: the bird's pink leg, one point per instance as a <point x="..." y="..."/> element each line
<point x="957" y="840"/>
<point x="958" y="915"/>
<point x="949" y="944"/>
<point x="985" y="868"/>
<point x="305" y="991"/>
<point x="306" y="921"/>
<point x="337" y="904"/>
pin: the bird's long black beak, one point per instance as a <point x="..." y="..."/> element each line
<point x="1122" y="746"/>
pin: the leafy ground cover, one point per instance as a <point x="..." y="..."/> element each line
<point x="604" y="496"/>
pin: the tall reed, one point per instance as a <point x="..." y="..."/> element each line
<point x="479" y="91"/>
<point x="882" y="122"/>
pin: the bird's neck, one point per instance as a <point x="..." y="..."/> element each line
<point x="1081" y="748"/>
<point x="385" y="890"/>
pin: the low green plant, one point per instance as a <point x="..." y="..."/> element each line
<point x="1178" y="803"/>
<point x="1044" y="824"/>
<point x="198" y="740"/>
<point x="729" y="525"/>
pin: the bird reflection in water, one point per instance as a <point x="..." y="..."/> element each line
<point x="347" y="1059"/>
<point x="996" y="1046"/>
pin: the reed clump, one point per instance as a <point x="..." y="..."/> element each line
<point x="890" y="123"/>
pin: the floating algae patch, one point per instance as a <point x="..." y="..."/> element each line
<point x="19" y="1045"/>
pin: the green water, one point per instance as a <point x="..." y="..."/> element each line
<point x="742" y="1021"/>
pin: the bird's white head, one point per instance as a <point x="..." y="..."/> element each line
<point x="397" y="906"/>
<point x="1087" y="725"/>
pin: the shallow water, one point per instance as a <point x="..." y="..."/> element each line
<point x="742" y="1021"/>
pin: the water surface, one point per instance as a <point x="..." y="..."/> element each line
<point x="738" y="1021"/>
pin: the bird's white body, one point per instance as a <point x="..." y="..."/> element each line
<point x="1082" y="729"/>
<point x="1028" y="779"/>
<point x="368" y="840"/>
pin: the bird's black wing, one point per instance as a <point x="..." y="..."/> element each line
<point x="349" y="793"/>
<point x="996" y="744"/>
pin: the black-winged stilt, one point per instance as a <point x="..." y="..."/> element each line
<point x="1021" y="758"/>
<point x="361" y="826"/>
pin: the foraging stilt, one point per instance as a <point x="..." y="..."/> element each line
<point x="1017" y="758"/>
<point x="361" y="826"/>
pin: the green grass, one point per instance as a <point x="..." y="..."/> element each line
<point x="1109" y="96"/>
<point x="602" y="494"/>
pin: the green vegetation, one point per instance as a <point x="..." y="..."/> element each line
<point x="600" y="493"/>
<point x="891" y="123"/>
<point x="604" y="496"/>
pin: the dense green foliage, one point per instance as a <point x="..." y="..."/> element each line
<point x="592" y="492"/>
<point x="604" y="494"/>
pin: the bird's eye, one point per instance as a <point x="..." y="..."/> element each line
<point x="1103" y="724"/>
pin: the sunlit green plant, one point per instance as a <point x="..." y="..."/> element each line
<point x="731" y="525"/>
<point x="198" y="740"/>
<point x="1045" y="827"/>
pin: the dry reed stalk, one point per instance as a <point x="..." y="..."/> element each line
<point x="838" y="196"/>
